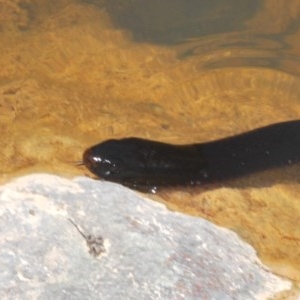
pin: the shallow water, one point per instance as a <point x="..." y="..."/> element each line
<point x="74" y="73"/>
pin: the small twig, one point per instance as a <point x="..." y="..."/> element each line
<point x="94" y="243"/>
<point x="78" y="229"/>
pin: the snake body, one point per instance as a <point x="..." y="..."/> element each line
<point x="147" y="165"/>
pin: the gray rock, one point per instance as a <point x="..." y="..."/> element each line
<point x="88" y="239"/>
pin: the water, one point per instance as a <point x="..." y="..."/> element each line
<point x="74" y="73"/>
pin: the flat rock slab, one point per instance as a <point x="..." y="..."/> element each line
<point x="88" y="239"/>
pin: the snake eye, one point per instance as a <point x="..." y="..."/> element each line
<point x="108" y="168"/>
<point x="103" y="167"/>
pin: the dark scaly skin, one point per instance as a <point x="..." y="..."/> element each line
<point x="148" y="165"/>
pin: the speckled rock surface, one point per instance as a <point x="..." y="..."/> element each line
<point x="87" y="239"/>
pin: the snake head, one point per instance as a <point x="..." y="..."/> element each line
<point x="142" y="164"/>
<point x="123" y="161"/>
<point x="105" y="160"/>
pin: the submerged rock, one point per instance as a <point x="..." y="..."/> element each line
<point x="88" y="239"/>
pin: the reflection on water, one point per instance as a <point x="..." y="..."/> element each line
<point x="170" y="22"/>
<point x="222" y="34"/>
<point x="74" y="73"/>
<point x="242" y="49"/>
